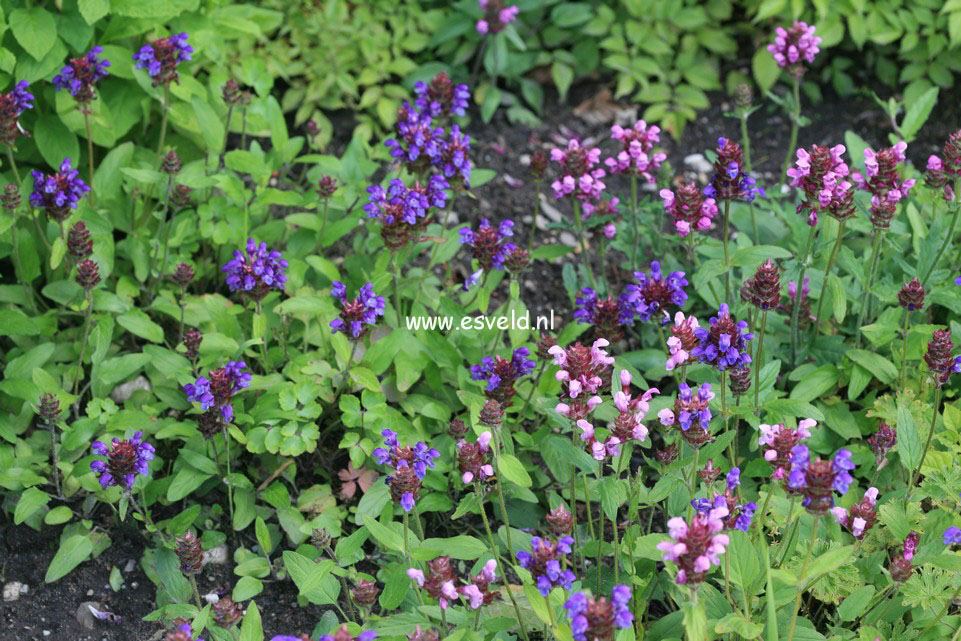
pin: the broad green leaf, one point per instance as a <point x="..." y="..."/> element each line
<point x="833" y="558"/>
<point x="384" y="535"/>
<point x="211" y="125"/>
<point x="252" y="629"/>
<point x="308" y="576"/>
<point x="247" y="587"/>
<point x="855" y="603"/>
<point x="909" y="439"/>
<point x="917" y="113"/>
<point x="263" y="536"/>
<point x="745" y="568"/>
<point x="880" y="367"/>
<point x="56" y="142"/>
<point x="739" y="625"/>
<point x="816" y="384"/>
<point x="30" y="501"/>
<point x="511" y="469"/>
<point x="458" y="547"/>
<point x="139" y="324"/>
<point x="93" y="10"/>
<point x="613" y="493"/>
<point x="35" y="30"/>
<point x="73" y="551"/>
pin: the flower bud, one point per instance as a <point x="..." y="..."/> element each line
<point x="171" y="163"/>
<point x="560" y="521"/>
<point x="492" y="414"/>
<point x="225" y="612"/>
<point x="183" y="275"/>
<point x="365" y="593"/>
<point x="192" y="340"/>
<point x="48" y="408"/>
<point x="326" y="186"/>
<point x="11" y="198"/>
<point x="190" y="554"/>
<point x="911" y="296"/>
<point x="79" y="244"/>
<point x="88" y="274"/>
<point x="456" y="429"/>
<point x="739" y="380"/>
<point x="743" y="95"/>
<point x="709" y="473"/>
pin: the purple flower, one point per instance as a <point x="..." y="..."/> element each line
<point x="818" y="479"/>
<point x="217" y="391"/>
<point x="697" y="547"/>
<point x="454" y="162"/>
<point x="952" y="535"/>
<point x="488" y="244"/>
<point x="724" y="345"/>
<point x="794" y="46"/>
<point x="12" y="104"/>
<point x="604" y="312"/>
<point x="730" y="182"/>
<point x="257" y="272"/>
<point x="341" y="634"/>
<point x="160" y="58"/>
<point x="655" y="293"/>
<point x="354" y="314"/>
<point x="496" y="16"/>
<point x="81" y="74"/>
<point x="419" y="143"/>
<point x="636" y="155"/>
<point x="60" y="193"/>
<point x="820" y="173"/>
<point x="125" y="460"/>
<point x="410" y="466"/>
<point x="501" y="374"/>
<point x="581" y="178"/>
<point x="594" y="618"/>
<point x="441" y="98"/>
<point x="544" y="563"/>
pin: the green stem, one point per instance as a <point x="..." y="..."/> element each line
<point x="600" y="533"/>
<point x="940" y="614"/>
<point x="800" y="588"/>
<point x="193" y="584"/>
<point x="759" y="354"/>
<point x="827" y="272"/>
<point x="786" y="541"/>
<point x="164" y="118"/>
<point x="727" y="260"/>
<point x="947" y="239"/>
<point x="724" y="415"/>
<point x="223" y="148"/>
<point x="86" y="122"/>
<point x="396" y="276"/>
<point x="83" y="343"/>
<point x="259" y="312"/>
<point x="537" y="209"/>
<point x="796" y="307"/>
<point x="763" y="512"/>
<point x="697" y="265"/>
<point x="795" y="117"/>
<point x="579" y="224"/>
<point x="407" y="539"/>
<point x="692" y="485"/>
<point x="872" y="265"/>
<point x="230" y="487"/>
<point x="927" y="444"/>
<point x="904" y="347"/>
<point x="527" y="401"/>
<point x="637" y="238"/>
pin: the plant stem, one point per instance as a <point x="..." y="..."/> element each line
<point x="407" y="539"/>
<point x="223" y="148"/>
<point x="420" y="526"/>
<point x="83" y="343"/>
<point x="537" y="210"/>
<point x="396" y="277"/>
<point x="527" y="401"/>
<point x="795" y="117"/>
<point x="634" y="222"/>
<point x="796" y="308"/>
<point x="875" y="251"/>
<point x="947" y="239"/>
<point x="163" y="119"/>
<point x="763" y="513"/>
<point x="827" y="272"/>
<point x="759" y="354"/>
<point x="259" y="313"/>
<point x="693" y="483"/>
<point x="785" y="542"/>
<point x="804" y="567"/>
<point x="927" y="444"/>
<point x="727" y="261"/>
<point x="724" y="416"/>
<point x="697" y="264"/>
<point x="230" y="487"/>
<point x="86" y="122"/>
<point x="193" y="584"/>
<point x="600" y="532"/>
<point x="579" y="225"/>
<point x="54" y="458"/>
<point x="904" y="346"/>
<point x="940" y="614"/>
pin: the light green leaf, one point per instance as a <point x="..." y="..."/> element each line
<point x="909" y="439"/>
<point x="73" y="551"/>
<point x="211" y="125"/>
<point x="30" y="501"/>
<point x="511" y="469"/>
<point x="252" y="629"/>
<point x="35" y="30"/>
<point x="139" y="324"/>
<point x="55" y="142"/>
<point x="739" y="625"/>
<point x="384" y="535"/>
<point x="458" y="547"/>
<point x="882" y="368"/>
<point x="93" y="10"/>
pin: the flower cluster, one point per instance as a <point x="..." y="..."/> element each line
<point x="739" y="515"/>
<point x="781" y="441"/>
<point x="410" y="466"/>
<point x="88" y="274"/>
<point x="682" y="340"/>
<point x="805" y="316"/>
<point x="12" y="104"/>
<point x="626" y="427"/>
<point x="696" y="546"/>
<point x="501" y="374"/>
<point x="597" y="619"/>
<point x="59" y="193"/>
<point x="938" y="357"/>
<point x="357" y="313"/>
<point x="636" y="155"/>
<point x="911" y="296"/>
<point x="901" y="568"/>
<point x="820" y="174"/>
<point x="441" y="98"/>
<point x="795" y="46"/>
<point x="217" y="392"/>
<point x="608" y="315"/>
<point x="883" y="179"/>
<point x="583" y="371"/>
<point x="544" y="563"/>
<point x="952" y="535"/>
<point x="689" y="209"/>
<point x="402" y="210"/>
<point x="881" y="443"/>
<point x="81" y="74"/>
<point x="474" y="459"/>
<point x="126" y="458"/>
<point x="940" y="172"/>
<point x="190" y="553"/>
<point x="488" y="244"/>
<point x="365" y="593"/>
<point x="79" y="244"/>
<point x="560" y="521"/>
<point x="441" y="583"/>
<point x="181" y="633"/>
<point x="581" y="177"/>
<point x="160" y="58"/>
<point x="763" y="289"/>
<point x="419" y="142"/>
<point x="818" y="479"/>
<point x="691" y="414"/>
<point x="496" y="16"/>
<point x="730" y="181"/>
<point x="255" y="272"/>
<point x="454" y="162"/>
<point x="861" y="517"/>
<point x="724" y="345"/>
<point x="341" y="634"/>
<point x="655" y="293"/>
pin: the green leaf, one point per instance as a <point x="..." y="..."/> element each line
<point x="247" y="587"/>
<point x="511" y="469"/>
<point x="458" y="547"/>
<point x="816" y="384"/>
<point x="56" y="142"/>
<point x="57" y="252"/>
<point x="309" y="577"/>
<point x="93" y="10"/>
<point x="739" y="625"/>
<point x="139" y="324"/>
<point x="766" y="71"/>
<point x="252" y="629"/>
<point x="30" y="501"/>
<point x="73" y="551"/>
<point x="35" y="30"/>
<point x="753" y="256"/>
<point x="882" y="368"/>
<point x="58" y="515"/>
<point x="263" y="536"/>
<point x="211" y="125"/>
<point x="563" y="76"/>
<point x="839" y="298"/>
<point x="833" y="558"/>
<point x="613" y="492"/>
<point x="917" y="114"/>
<point x="909" y="440"/>
<point x="855" y="603"/>
<point x="745" y="568"/>
<point x="384" y="535"/>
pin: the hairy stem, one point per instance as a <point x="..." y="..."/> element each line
<point x="827" y="272"/>
<point x="796" y="307"/>
<point x="927" y="444"/>
<point x="804" y="567"/>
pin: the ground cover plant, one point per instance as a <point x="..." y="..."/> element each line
<point x="338" y="394"/>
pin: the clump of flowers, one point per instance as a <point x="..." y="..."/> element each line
<point x="256" y="272"/>
<point x="409" y="464"/>
<point x="488" y="244"/>
<point x="730" y="181"/>
<point x="183" y="275"/>
<point x="441" y="98"/>
<point x="911" y="296"/>
<point x="739" y="382"/>
<point x="626" y="427"/>
<point x="501" y="374"/>
<point x="881" y="443"/>
<point x="544" y="563"/>
<point x="59" y="193"/>
<point x="365" y="593"/>
<point x="795" y="47"/>
<point x="190" y="554"/>
<point x="739" y="515"/>
<point x="79" y="244"/>
<point x="474" y="459"/>
<point x="419" y="143"/>
<point x="901" y="568"/>
<point x="689" y="209"/>
<point x="88" y="274"/>
<point x="691" y="414"/>
<point x="696" y="546"/>
<point x="12" y="105"/>
<point x="583" y="371"/>
<point x="441" y="580"/>
<point x="682" y="340"/>
<point x="125" y="460"/>
<point x="637" y="154"/>
<point x="181" y="633"/>
<point x="818" y="479"/>
<point x="454" y="163"/>
<point x="401" y="210"/>
<point x="656" y="294"/>
<point x="597" y="619"/>
<point x="342" y="634"/>
<point x="805" y="316"/>
<point x="861" y="517"/>
<point x="226" y="612"/>
<point x="882" y="176"/>
<point x="724" y="345"/>
<point x="763" y="289"/>
<point x="560" y="521"/>
<point x="357" y="313"/>
<point x="496" y="16"/>
<point x="161" y="58"/>
<point x="80" y="75"/>
<point x="781" y="441"/>
<point x="580" y="175"/>
<point x="820" y="174"/>
<point x="952" y="535"/>
<point x="192" y="340"/>
<point x="938" y="357"/>
<point x="216" y="393"/>
<point x="608" y="315"/>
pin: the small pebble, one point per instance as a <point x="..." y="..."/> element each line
<point x="13" y="590"/>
